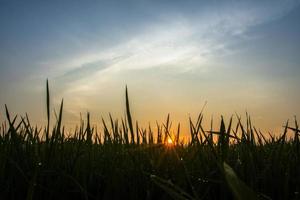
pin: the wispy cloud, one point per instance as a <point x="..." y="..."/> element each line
<point x="181" y="39"/>
<point x="86" y="69"/>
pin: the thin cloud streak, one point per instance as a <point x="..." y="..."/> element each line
<point x="180" y="41"/>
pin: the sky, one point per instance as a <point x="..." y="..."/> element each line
<point x="174" y="56"/>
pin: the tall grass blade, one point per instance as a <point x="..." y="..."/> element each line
<point x="239" y="189"/>
<point x="174" y="191"/>
<point x="48" y="110"/>
<point x="129" y="120"/>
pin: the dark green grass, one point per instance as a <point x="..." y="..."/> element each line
<point x="126" y="161"/>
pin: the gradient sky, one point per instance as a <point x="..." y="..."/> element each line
<point x="174" y="56"/>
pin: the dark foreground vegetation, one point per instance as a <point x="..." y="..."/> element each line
<point x="124" y="161"/>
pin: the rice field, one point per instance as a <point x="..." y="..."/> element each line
<point x="126" y="161"/>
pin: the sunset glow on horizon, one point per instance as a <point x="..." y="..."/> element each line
<point x="238" y="56"/>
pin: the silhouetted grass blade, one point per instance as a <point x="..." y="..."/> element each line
<point x="239" y="189"/>
<point x="129" y="120"/>
<point x="48" y="109"/>
<point x="174" y="191"/>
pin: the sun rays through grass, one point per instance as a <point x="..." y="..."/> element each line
<point x="125" y="160"/>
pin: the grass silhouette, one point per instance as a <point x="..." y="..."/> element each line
<point x="126" y="161"/>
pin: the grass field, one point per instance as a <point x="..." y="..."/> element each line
<point x="125" y="161"/>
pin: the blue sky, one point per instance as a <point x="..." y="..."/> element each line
<point x="173" y="55"/>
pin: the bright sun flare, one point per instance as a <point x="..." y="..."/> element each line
<point x="170" y="142"/>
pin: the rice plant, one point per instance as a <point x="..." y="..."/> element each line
<point x="127" y="161"/>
